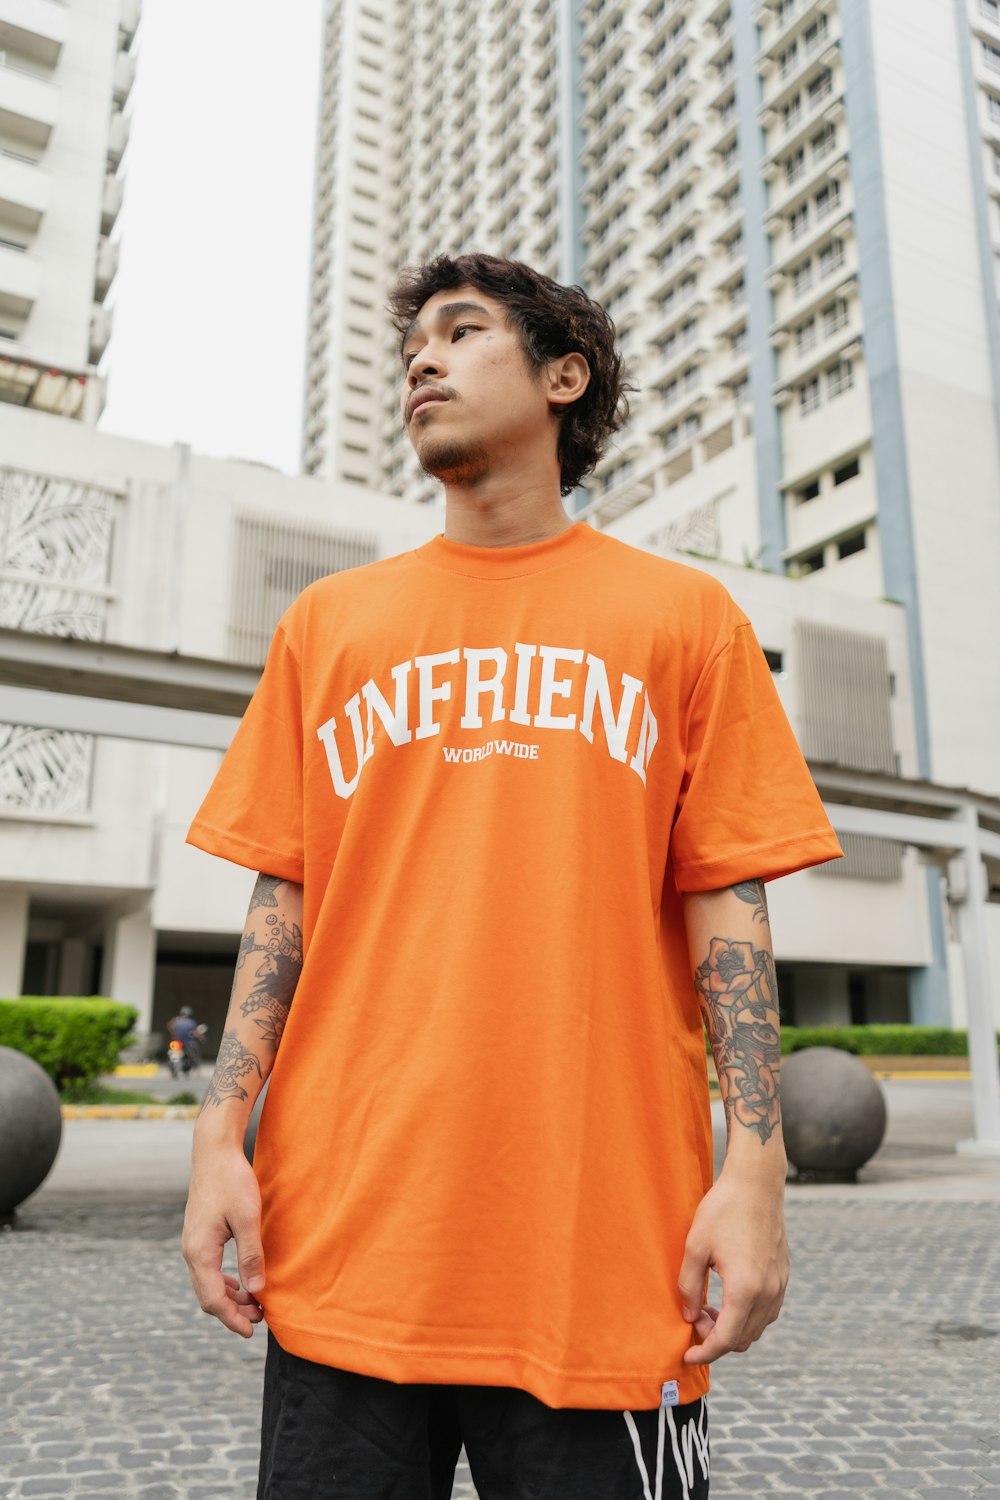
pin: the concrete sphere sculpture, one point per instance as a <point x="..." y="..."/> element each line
<point x="832" y="1114"/>
<point x="30" y="1128"/>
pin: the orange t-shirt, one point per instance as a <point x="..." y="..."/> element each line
<point x="488" y="1125"/>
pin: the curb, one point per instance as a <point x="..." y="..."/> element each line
<point x="130" y="1111"/>
<point x="191" y="1111"/>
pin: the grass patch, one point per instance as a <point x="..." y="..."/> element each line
<point x="99" y="1093"/>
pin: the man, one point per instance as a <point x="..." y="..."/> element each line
<point x="184" y="1028"/>
<point x="513" y="797"/>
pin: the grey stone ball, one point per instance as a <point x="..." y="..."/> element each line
<point x="832" y="1112"/>
<point x="30" y="1128"/>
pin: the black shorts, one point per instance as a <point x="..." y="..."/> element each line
<point x="334" y="1433"/>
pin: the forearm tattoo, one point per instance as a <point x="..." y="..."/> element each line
<point x="233" y="1063"/>
<point x="277" y="954"/>
<point x="752" y="892"/>
<point x="738" y="993"/>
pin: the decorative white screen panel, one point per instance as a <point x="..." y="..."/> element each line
<point x="55" y="558"/>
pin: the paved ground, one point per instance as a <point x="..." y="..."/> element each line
<point x="882" y="1377"/>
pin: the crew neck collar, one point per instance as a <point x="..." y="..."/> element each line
<point x="508" y="562"/>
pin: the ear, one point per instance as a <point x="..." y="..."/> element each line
<point x="568" y="378"/>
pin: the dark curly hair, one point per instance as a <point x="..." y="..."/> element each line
<point x="551" y="320"/>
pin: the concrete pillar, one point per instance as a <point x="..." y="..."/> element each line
<point x="129" y="969"/>
<point x="969" y="890"/>
<point x="13" y="940"/>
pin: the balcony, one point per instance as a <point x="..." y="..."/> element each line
<point x="118" y="133"/>
<point x="124" y="77"/>
<point x="128" y="20"/>
<point x="20" y="279"/>
<point x="691" y="350"/>
<point x="107" y="267"/>
<point x="111" y="203"/>
<point x="35" y="30"/>
<point x="29" y="106"/>
<point x="100" y="332"/>
<point x="24" y="190"/>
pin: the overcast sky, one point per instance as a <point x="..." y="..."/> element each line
<point x="210" y="299"/>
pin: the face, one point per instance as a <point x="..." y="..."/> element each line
<point x="469" y="397"/>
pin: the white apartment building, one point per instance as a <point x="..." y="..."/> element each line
<point x="792" y="210"/>
<point x="66" y="72"/>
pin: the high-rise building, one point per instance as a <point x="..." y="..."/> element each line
<point x="791" y="208"/>
<point x="66" y="72"/>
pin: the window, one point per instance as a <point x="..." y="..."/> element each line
<point x="990" y="9"/>
<point x="827" y="199"/>
<point x="834" y="317"/>
<point x="839" y="377"/>
<point x="815" y="33"/>
<point x="805" y="335"/>
<point x="811" y="562"/>
<point x="802" y="278"/>
<point x="795" y="165"/>
<point x="792" y="112"/>
<point x="809" y="395"/>
<point x="774" y="660"/>
<point x="993" y="108"/>
<point x="821" y="87"/>
<point x="798" y="223"/>
<point x="851" y="544"/>
<point x="788" y="59"/>
<point x="991" y="57"/>
<point x="849" y="470"/>
<point x="823" y="142"/>
<point x="832" y="258"/>
<point x="808" y="491"/>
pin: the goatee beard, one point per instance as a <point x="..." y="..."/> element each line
<point x="455" y="463"/>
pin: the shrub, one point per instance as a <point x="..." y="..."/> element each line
<point x="75" y="1041"/>
<point x="879" y="1041"/>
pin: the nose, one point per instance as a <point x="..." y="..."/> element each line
<point x="423" y="365"/>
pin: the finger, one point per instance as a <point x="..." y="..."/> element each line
<point x="702" y="1326"/>
<point x="691" y="1281"/>
<point x="727" y="1333"/>
<point x="237" y="1292"/>
<point x="212" y="1291"/>
<point x="250" y="1255"/>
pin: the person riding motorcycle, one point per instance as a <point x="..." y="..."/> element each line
<point x="184" y="1028"/>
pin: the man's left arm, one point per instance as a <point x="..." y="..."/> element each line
<point x="739" y="1228"/>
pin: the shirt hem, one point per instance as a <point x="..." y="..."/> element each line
<point x="407" y="1364"/>
<point x="240" y="851"/>
<point x="767" y="861"/>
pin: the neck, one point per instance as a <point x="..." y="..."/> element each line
<point x="505" y="511"/>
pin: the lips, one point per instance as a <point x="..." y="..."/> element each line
<point x="422" y="398"/>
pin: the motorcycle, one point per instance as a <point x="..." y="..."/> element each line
<point x="179" y="1057"/>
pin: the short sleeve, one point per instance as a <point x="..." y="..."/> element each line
<point x="748" y="807"/>
<point x="253" y="812"/>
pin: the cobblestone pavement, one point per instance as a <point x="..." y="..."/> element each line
<point x="881" y="1378"/>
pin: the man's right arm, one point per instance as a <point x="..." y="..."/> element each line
<point x="224" y="1200"/>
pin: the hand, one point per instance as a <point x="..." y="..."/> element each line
<point x="224" y="1204"/>
<point x="739" y="1230"/>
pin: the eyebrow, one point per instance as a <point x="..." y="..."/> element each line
<point x="446" y="313"/>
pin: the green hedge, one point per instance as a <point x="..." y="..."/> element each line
<point x="879" y="1041"/>
<point x="75" y="1041"/>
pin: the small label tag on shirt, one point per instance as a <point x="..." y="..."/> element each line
<point x="668" y="1396"/>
